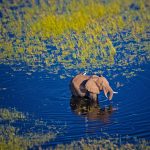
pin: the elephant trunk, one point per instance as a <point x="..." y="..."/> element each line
<point x="108" y="92"/>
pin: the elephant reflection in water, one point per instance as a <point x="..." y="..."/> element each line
<point x="90" y="109"/>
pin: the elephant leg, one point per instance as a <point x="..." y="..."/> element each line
<point x="93" y="97"/>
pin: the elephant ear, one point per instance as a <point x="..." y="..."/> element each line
<point x="92" y="87"/>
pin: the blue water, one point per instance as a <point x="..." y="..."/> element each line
<point x="48" y="97"/>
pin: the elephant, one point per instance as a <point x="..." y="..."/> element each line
<point x="90" y="86"/>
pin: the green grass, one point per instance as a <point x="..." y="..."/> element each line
<point x="84" y="33"/>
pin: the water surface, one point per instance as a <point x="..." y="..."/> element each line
<point x="48" y="97"/>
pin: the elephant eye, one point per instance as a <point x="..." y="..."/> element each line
<point x="105" y="88"/>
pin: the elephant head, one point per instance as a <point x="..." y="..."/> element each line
<point x="96" y="84"/>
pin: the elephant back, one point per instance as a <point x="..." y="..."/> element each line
<point x="78" y="85"/>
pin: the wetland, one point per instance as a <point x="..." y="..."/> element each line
<point x="43" y="44"/>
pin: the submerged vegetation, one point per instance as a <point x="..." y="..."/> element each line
<point x="74" y="35"/>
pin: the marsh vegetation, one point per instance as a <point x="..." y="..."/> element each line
<point x="69" y="35"/>
<point x="17" y="137"/>
<point x="12" y="137"/>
